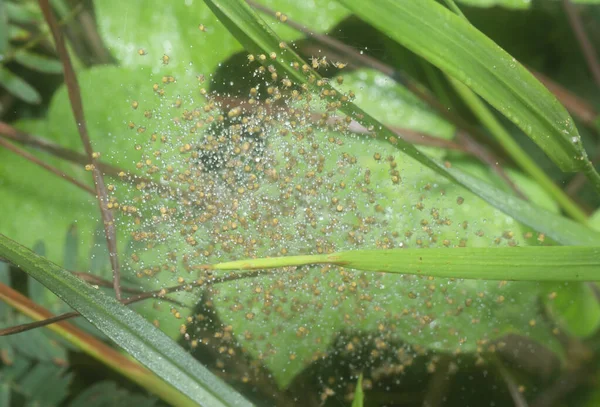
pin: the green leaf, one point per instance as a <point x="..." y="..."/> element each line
<point x="38" y="62"/>
<point x="574" y="307"/>
<point x="108" y="394"/>
<point x="258" y="38"/>
<point x="18" y="87"/>
<point x="129" y="330"/>
<point x="459" y="49"/>
<point x="34" y="199"/>
<point x="22" y="12"/>
<point x="46" y="384"/>
<point x="359" y="395"/>
<point x="173" y="30"/>
<point x="3" y="29"/>
<point x="290" y="318"/>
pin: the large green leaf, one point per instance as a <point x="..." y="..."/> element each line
<point x="160" y="28"/>
<point x="462" y="51"/>
<point x="38" y="205"/>
<point x="258" y="38"/>
<point x="129" y="330"/>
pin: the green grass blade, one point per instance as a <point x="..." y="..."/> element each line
<point x="38" y="62"/>
<point x="557" y="227"/>
<point x="254" y="34"/>
<point x="459" y="49"/>
<point x="533" y="263"/>
<point x="128" y="329"/>
<point x="527" y="164"/>
<point x="18" y="87"/>
<point x="359" y="395"/>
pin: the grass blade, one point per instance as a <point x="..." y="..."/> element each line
<point x="128" y="329"/>
<point x="359" y="395"/>
<point x="38" y="62"/>
<point x="258" y="38"/>
<point x="534" y="263"/>
<point x="463" y="52"/>
<point x="18" y="87"/>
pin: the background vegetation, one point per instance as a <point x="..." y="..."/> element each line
<point x="184" y="147"/>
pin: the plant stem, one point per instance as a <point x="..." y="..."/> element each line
<point x="77" y="107"/>
<point x="487" y="118"/>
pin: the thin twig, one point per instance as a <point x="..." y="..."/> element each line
<point x="516" y="394"/>
<point x="591" y="57"/>
<point x="158" y="294"/>
<point x="438" y="385"/>
<point x="95" y="280"/>
<point x="77" y="107"/>
<point x="28" y="156"/>
<point x="9" y="132"/>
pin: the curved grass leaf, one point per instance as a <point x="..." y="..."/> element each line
<point x="18" y="87"/>
<point x="128" y="329"/>
<point x="533" y="263"/>
<point x="359" y="396"/>
<point x="258" y="38"/>
<point x="38" y="62"/>
<point x="462" y="51"/>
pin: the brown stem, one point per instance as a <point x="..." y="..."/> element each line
<point x="591" y="58"/>
<point x="143" y="296"/>
<point x="77" y="107"/>
<point x="11" y="133"/>
<point x="28" y="156"/>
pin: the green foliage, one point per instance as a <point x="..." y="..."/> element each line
<point x="359" y="396"/>
<point x="13" y="16"/>
<point x="129" y="330"/>
<point x="108" y="394"/>
<point x="170" y="59"/>
<point x="492" y="73"/>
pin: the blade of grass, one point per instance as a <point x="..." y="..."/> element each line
<point x="359" y="395"/>
<point x="255" y="35"/>
<point x="525" y="162"/>
<point x="534" y="263"/>
<point x="95" y="348"/>
<point x="18" y="87"/>
<point x="128" y="329"/>
<point x="463" y="52"/>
